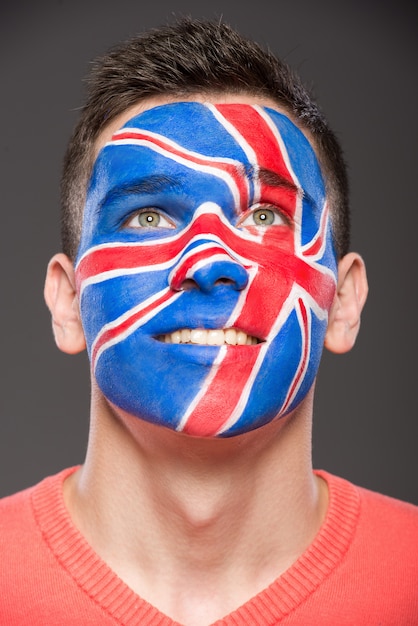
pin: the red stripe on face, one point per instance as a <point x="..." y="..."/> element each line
<point x="224" y="393"/>
<point x="265" y="144"/>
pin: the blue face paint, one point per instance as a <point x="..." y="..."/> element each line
<point x="206" y="267"/>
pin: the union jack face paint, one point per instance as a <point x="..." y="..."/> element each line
<point x="203" y="217"/>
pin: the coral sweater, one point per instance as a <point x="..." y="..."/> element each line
<point x="361" y="569"/>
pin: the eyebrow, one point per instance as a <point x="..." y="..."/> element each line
<point x="148" y="185"/>
<point x="274" y="179"/>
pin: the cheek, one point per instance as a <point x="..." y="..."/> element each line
<point x="112" y="301"/>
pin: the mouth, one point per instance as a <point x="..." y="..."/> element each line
<point x="211" y="337"/>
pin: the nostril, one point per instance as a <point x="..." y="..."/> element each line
<point x="188" y="285"/>
<point x="224" y="281"/>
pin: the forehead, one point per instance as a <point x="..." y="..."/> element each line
<point x="224" y="128"/>
<point x="199" y="131"/>
<point x="158" y="101"/>
<point x="206" y="137"/>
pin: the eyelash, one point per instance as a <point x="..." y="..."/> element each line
<point x="263" y="209"/>
<point x="151" y="212"/>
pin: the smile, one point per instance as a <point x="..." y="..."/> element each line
<point x="215" y="337"/>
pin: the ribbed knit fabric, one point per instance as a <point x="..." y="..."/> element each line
<point x="361" y="569"/>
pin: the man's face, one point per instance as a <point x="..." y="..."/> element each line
<point x="206" y="267"/>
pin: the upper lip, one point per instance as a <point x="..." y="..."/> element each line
<point x="209" y="336"/>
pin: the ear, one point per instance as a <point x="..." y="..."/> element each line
<point x="350" y="297"/>
<point x="61" y="297"/>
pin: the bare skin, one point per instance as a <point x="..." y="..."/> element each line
<point x="197" y="526"/>
<point x="209" y="523"/>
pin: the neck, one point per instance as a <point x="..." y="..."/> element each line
<point x="181" y="517"/>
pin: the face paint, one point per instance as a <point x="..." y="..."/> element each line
<point x="206" y="223"/>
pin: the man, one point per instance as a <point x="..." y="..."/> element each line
<point x="205" y="264"/>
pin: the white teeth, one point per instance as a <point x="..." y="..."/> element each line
<point x="185" y="335"/>
<point x="241" y="338"/>
<point x="176" y="337"/>
<point x="231" y="336"/>
<point x="215" y="337"/>
<point x="199" y="335"/>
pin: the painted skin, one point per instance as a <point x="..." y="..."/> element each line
<point x="206" y="224"/>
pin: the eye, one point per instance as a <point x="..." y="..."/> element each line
<point x="264" y="216"/>
<point x="149" y="218"/>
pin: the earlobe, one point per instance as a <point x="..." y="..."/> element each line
<point x="349" y="300"/>
<point x="61" y="298"/>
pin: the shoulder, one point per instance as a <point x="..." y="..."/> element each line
<point x="15" y="514"/>
<point x="393" y="524"/>
<point x="23" y="538"/>
<point x="381" y="514"/>
<point x="378" y="564"/>
<point x="372" y="503"/>
<point x="385" y="530"/>
<point x="36" y="544"/>
<point x="19" y="527"/>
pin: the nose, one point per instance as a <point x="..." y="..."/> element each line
<point x="206" y="267"/>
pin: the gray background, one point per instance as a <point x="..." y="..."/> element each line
<point x="361" y="58"/>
